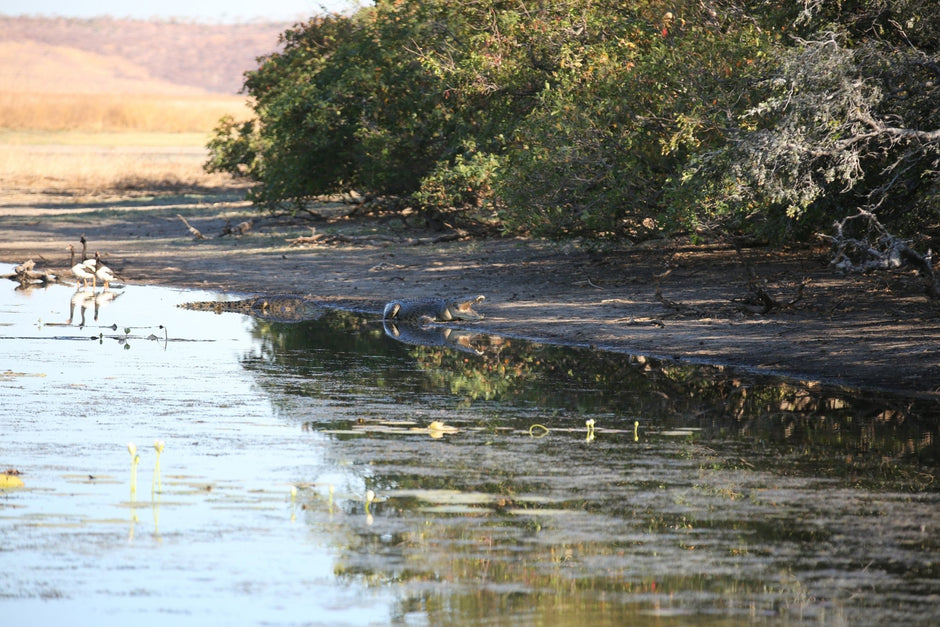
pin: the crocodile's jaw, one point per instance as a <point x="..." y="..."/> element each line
<point x="462" y="310"/>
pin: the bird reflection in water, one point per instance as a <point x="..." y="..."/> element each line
<point x="84" y="298"/>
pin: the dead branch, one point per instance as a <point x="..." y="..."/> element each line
<point x="238" y="230"/>
<point x="25" y="275"/>
<point x="681" y="308"/>
<point x="758" y="300"/>
<point x="192" y="229"/>
<point x="882" y="250"/>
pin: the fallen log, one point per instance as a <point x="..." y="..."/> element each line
<point x="24" y="274"/>
<point x="336" y="238"/>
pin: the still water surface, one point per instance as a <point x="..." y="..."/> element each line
<point x="699" y="496"/>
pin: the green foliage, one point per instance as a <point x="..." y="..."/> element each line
<point x="606" y="119"/>
<point x="467" y="182"/>
<point x="594" y="157"/>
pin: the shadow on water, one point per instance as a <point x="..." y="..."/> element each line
<point x="447" y="477"/>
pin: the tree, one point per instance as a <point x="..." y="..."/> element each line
<point x="844" y="119"/>
<point x="604" y="118"/>
<point x="344" y="105"/>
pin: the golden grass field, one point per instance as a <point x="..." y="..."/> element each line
<point x="116" y="112"/>
<point x="88" y="144"/>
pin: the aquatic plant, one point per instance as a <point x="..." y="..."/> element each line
<point x="135" y="459"/>
<point x="10" y="479"/>
<point x="538" y="431"/>
<point x="156" y="484"/>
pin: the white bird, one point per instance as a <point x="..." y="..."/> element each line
<point x="84" y="272"/>
<point x="104" y="273"/>
<point x="101" y="271"/>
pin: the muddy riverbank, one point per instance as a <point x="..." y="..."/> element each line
<point x="667" y="300"/>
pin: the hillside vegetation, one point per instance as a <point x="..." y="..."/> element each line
<point x="607" y="119"/>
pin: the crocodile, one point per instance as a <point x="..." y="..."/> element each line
<point x="277" y="308"/>
<point x="433" y="309"/>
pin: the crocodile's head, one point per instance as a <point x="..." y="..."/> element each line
<point x="463" y="310"/>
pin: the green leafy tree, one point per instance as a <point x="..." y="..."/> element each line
<point x="605" y="118"/>
<point x="343" y="105"/>
<point x="623" y="113"/>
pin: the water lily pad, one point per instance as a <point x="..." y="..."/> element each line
<point x="518" y="511"/>
<point x="445" y="497"/>
<point x="9" y="482"/>
<point x="454" y="509"/>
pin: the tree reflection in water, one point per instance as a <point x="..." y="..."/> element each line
<point x="742" y="497"/>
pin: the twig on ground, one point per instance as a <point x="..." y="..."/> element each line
<point x="195" y="232"/>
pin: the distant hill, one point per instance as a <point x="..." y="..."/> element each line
<point x="104" y="55"/>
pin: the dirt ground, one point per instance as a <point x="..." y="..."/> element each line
<point x="665" y="300"/>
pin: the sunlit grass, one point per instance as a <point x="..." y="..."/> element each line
<point x="33" y="137"/>
<point x="116" y="112"/>
<point x="82" y="162"/>
<point x="87" y="144"/>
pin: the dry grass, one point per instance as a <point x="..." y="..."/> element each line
<point x="83" y="165"/>
<point x="116" y="112"/>
<point x="92" y="144"/>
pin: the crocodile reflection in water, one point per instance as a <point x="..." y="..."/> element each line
<point x="408" y="321"/>
<point x="430" y="334"/>
<point x="414" y="321"/>
<point x="282" y="308"/>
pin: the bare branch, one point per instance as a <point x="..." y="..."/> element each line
<point x="881" y="251"/>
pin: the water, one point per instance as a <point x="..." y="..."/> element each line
<point x="700" y="497"/>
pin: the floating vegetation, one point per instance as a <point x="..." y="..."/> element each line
<point x="11" y="480"/>
<point x="9" y="374"/>
<point x="685" y="432"/>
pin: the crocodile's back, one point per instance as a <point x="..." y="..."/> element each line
<point x="439" y="309"/>
<point x="414" y="309"/>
